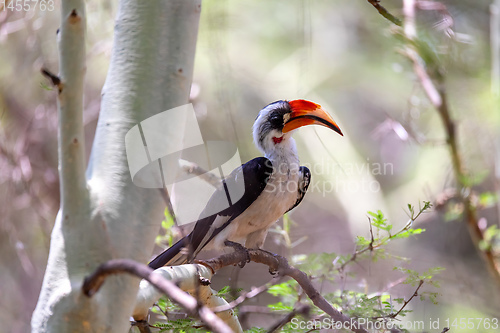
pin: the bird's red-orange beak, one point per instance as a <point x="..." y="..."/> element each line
<point x="308" y="113"/>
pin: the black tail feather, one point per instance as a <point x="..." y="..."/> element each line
<point x="166" y="256"/>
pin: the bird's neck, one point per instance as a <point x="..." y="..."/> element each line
<point x="284" y="155"/>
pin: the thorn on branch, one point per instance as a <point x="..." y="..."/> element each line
<point x="54" y="79"/>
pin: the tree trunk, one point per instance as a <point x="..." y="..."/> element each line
<point x="104" y="215"/>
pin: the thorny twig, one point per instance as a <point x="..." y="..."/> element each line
<point x="372" y="246"/>
<point x="394" y="315"/>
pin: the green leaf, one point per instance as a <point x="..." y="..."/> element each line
<point x="488" y="199"/>
<point x="224" y="290"/>
<point x="280" y="307"/>
<point x="256" y="330"/>
<point x="408" y="233"/>
<point x="362" y="241"/>
<point x="282" y="289"/>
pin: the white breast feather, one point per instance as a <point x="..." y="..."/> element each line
<point x="279" y="195"/>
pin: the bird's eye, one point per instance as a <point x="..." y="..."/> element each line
<point x="276" y="120"/>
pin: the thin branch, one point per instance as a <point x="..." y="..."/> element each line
<point x="193" y="168"/>
<point x="300" y="309"/>
<point x="258" y="309"/>
<point x="252" y="293"/>
<point x="382" y="11"/>
<point x="54" y="79"/>
<point x="280" y="265"/>
<point x="437" y="97"/>
<point x="389" y="286"/>
<point x="165" y="313"/>
<point x="71" y="152"/>
<point x="166" y="198"/>
<point x="394" y="315"/>
<point x="415" y="294"/>
<point x="93" y="282"/>
<point x="372" y="239"/>
<point x="372" y="246"/>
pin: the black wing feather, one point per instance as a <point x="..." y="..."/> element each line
<point x="255" y="176"/>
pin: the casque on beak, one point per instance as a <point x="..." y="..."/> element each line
<point x="308" y="113"/>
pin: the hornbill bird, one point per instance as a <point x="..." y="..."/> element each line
<point x="273" y="184"/>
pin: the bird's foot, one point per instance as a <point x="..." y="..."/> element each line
<point x="272" y="271"/>
<point x="239" y="248"/>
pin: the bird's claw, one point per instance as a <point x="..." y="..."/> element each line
<point x="239" y="248"/>
<point x="272" y="271"/>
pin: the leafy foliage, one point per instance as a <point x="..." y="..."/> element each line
<point x="228" y="293"/>
<point x="185" y="325"/>
<point x="491" y="239"/>
<point x="332" y="267"/>
<point x="179" y="325"/>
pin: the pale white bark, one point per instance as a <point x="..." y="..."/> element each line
<point x="151" y="71"/>
<point x="186" y="277"/>
<point x="495" y="48"/>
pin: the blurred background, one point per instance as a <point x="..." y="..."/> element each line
<point x="340" y="54"/>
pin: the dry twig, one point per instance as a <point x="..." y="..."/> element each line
<point x="300" y="309"/>
<point x="384" y="12"/>
<point x="252" y="293"/>
<point x="54" y="79"/>
<point x="415" y="293"/>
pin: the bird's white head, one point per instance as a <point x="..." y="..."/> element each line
<point x="277" y="121"/>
